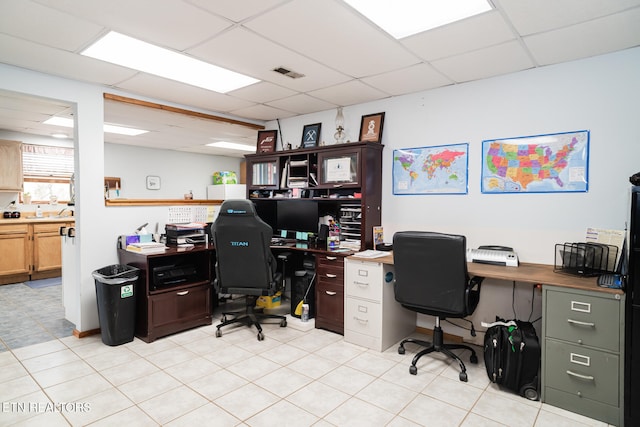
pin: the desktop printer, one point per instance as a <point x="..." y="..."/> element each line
<point x="496" y="255"/>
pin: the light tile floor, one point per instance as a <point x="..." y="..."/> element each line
<point x="292" y="378"/>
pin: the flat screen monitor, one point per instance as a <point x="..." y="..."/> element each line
<point x="266" y="210"/>
<point x="298" y="215"/>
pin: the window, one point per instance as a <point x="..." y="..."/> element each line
<point x="47" y="172"/>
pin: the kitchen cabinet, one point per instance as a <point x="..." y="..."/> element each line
<point x="30" y="249"/>
<point x="10" y="165"/>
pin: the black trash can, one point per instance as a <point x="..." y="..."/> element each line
<point x="115" y="294"/>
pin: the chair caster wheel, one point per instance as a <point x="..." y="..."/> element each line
<point x="283" y="323"/>
<point x="260" y="336"/>
<point x="473" y="358"/>
<point x="463" y="377"/>
<point x="223" y="319"/>
<point x="218" y="333"/>
<point x="401" y="350"/>
<point x="413" y="370"/>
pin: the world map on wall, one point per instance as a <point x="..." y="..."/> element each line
<point x="546" y="163"/>
<point x="438" y="169"/>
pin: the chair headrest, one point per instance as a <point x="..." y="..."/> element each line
<point x="239" y="207"/>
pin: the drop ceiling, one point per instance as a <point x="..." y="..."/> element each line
<point x="345" y="59"/>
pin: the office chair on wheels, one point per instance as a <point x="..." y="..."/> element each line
<point x="431" y="278"/>
<point x="244" y="262"/>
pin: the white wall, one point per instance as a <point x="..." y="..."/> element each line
<point x="599" y="94"/>
<point x="179" y="172"/>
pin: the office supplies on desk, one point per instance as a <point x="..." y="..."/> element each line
<point x="611" y="280"/>
<point x="496" y="255"/>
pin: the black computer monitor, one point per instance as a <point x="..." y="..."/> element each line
<point x="297" y="215"/>
<point x="266" y="210"/>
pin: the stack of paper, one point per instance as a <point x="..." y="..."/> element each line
<point x="146" y="248"/>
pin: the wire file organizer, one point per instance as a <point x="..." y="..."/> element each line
<point x="585" y="259"/>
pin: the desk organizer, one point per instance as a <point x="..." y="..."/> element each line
<point x="585" y="259"/>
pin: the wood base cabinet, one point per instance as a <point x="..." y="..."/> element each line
<point x="167" y="307"/>
<point x="30" y="250"/>
<point x="330" y="292"/>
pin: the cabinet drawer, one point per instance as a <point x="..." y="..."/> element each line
<point x="179" y="305"/>
<point x="331" y="274"/>
<point x="583" y="319"/>
<point x="50" y="227"/>
<point x="330" y="307"/>
<point x="363" y="316"/>
<point x="583" y="372"/>
<point x="14" y="229"/>
<point x="364" y="280"/>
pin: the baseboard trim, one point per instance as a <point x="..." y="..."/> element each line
<point x="83" y="334"/>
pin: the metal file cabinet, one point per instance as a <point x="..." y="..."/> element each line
<point x="583" y="352"/>
<point x="372" y="317"/>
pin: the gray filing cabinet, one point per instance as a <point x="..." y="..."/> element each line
<point x="583" y="352"/>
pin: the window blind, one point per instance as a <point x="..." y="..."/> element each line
<point x="44" y="161"/>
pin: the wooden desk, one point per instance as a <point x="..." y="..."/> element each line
<point x="582" y="340"/>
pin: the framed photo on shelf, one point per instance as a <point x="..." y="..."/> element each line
<point x="311" y="135"/>
<point x="267" y="141"/>
<point x="371" y="127"/>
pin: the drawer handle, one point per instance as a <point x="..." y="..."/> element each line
<point x="331" y="276"/>
<point x="337" y="185"/>
<point x="332" y="293"/>
<point x="361" y="284"/>
<point x="365" y="321"/>
<point x="183" y="293"/>
<point x="582" y="377"/>
<point x="332" y="258"/>
<point x="577" y="322"/>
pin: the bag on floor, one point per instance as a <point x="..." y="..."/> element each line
<point x="512" y="356"/>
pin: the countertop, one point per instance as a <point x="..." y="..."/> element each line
<point x="34" y="220"/>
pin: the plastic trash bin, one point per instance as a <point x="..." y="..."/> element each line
<point x="115" y="294"/>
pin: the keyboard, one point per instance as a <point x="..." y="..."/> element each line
<point x="611" y="280"/>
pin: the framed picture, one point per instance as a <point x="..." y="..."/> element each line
<point x="371" y="127"/>
<point x="311" y="135"/>
<point x="153" y="182"/>
<point x="267" y="141"/>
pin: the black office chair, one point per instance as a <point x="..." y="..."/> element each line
<point x="244" y="262"/>
<point x="431" y="278"/>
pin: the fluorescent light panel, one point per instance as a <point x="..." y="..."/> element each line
<point x="232" y="146"/>
<point x="132" y="53"/>
<point x="121" y="130"/>
<point x="403" y="18"/>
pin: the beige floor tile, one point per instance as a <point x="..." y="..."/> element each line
<point x="434" y="412"/>
<point x="62" y="373"/>
<point x="370" y="363"/>
<point x="282" y="382"/>
<point x="149" y="386"/>
<point x="284" y="354"/>
<point x="208" y="414"/>
<point x="171" y="357"/>
<point x="130" y="417"/>
<point x="313" y="366"/>
<point x="49" y="360"/>
<point x="253" y="368"/>
<point x="101" y="405"/>
<point x="505" y="410"/>
<point x="246" y="401"/>
<point x="347" y="380"/>
<point x="283" y="414"/>
<point x="355" y="412"/>
<point x="318" y="399"/>
<point x="390" y="397"/>
<point x="217" y="384"/>
<point x="172" y="404"/>
<point x="453" y="392"/>
<point x="17" y="387"/>
<point x="191" y="370"/>
<point x="78" y="388"/>
<point x="121" y="374"/>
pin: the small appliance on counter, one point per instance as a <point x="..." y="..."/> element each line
<point x="11" y="211"/>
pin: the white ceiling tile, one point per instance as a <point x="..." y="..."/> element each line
<point x="349" y="93"/>
<point x="411" y="79"/>
<point x="236" y="10"/>
<point x="31" y="21"/>
<point x="173" y="24"/>
<point x="334" y="35"/>
<point x="58" y="62"/>
<point x="244" y="51"/>
<point x="262" y="92"/>
<point x="584" y="40"/>
<point x="263" y="112"/>
<point x="493" y="61"/>
<point x="160" y="88"/>
<point x="301" y="104"/>
<point x="530" y="17"/>
<point x="470" y="34"/>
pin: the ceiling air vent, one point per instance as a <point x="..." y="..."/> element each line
<point x="288" y="73"/>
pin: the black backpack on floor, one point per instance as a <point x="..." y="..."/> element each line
<point x="512" y="356"/>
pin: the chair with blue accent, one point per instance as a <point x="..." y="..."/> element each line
<point x="244" y="262"/>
